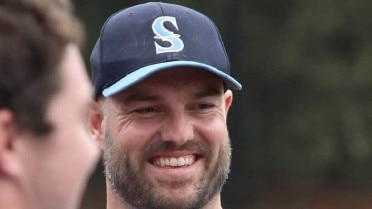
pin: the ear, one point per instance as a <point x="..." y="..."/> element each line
<point x="10" y="164"/>
<point x="95" y="123"/>
<point x="228" y="97"/>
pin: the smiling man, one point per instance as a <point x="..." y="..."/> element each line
<point x="162" y="82"/>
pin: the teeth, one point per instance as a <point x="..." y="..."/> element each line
<point x="174" y="162"/>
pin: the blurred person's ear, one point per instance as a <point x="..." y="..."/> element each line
<point x="10" y="162"/>
<point x="95" y="123"/>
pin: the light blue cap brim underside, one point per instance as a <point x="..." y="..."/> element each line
<point x="144" y="72"/>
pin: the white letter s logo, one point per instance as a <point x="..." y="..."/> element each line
<point x="176" y="44"/>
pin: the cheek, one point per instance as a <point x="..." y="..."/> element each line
<point x="64" y="167"/>
<point x="215" y="133"/>
<point x="78" y="151"/>
<point x="136" y="135"/>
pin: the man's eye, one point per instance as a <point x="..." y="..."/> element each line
<point x="205" y="106"/>
<point x="146" y="110"/>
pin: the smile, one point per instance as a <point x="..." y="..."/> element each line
<point x="174" y="161"/>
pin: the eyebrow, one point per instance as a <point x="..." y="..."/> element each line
<point x="211" y="92"/>
<point x="140" y="97"/>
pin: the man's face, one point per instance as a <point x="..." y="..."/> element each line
<point x="166" y="140"/>
<point x="60" y="164"/>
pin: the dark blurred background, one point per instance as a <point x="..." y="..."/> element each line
<point x="301" y="127"/>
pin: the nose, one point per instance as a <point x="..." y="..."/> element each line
<point x="178" y="128"/>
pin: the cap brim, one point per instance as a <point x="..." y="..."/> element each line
<point x="142" y="73"/>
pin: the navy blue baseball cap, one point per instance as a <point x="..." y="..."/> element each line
<point x="144" y="39"/>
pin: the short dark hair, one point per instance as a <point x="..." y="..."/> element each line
<point x="33" y="38"/>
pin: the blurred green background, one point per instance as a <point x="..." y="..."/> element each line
<point x="301" y="127"/>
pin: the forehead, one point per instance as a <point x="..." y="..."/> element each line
<point x="75" y="87"/>
<point x="76" y="80"/>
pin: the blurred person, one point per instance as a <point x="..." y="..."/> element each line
<point x="162" y="85"/>
<point x="46" y="150"/>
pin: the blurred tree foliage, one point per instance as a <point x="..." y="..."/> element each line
<point x="305" y="113"/>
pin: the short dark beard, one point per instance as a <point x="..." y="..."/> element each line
<point x="134" y="188"/>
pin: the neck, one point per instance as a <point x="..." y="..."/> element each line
<point x="113" y="199"/>
<point x="214" y="203"/>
